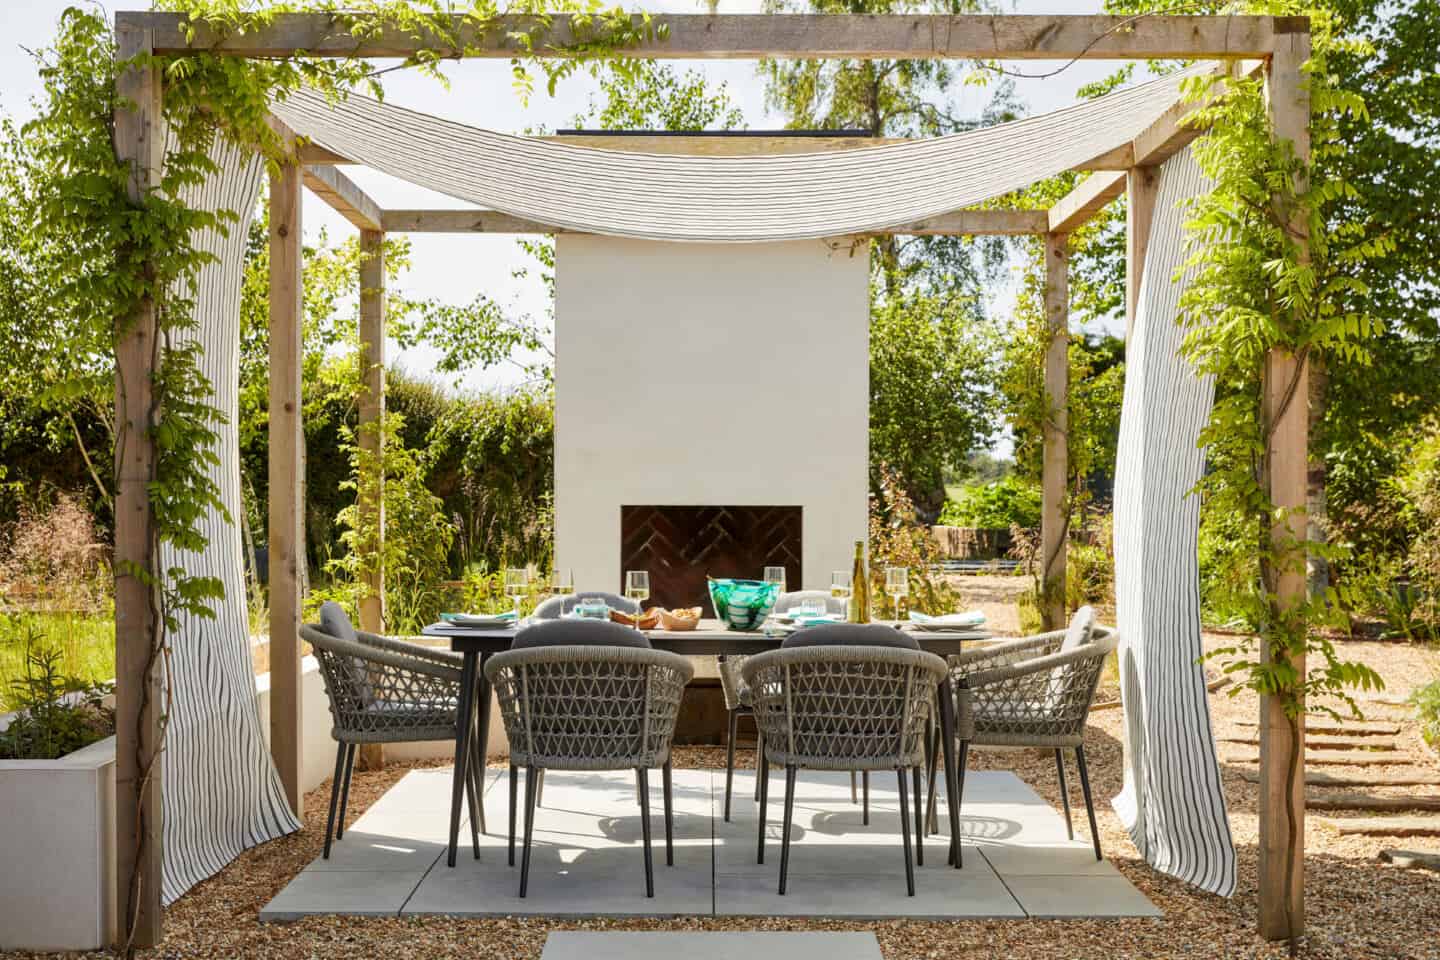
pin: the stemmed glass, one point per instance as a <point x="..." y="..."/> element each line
<point x="776" y="575"/>
<point x="562" y="581"/>
<point x="897" y="585"/>
<point x="517" y="584"/>
<point x="840" y="584"/>
<point x="637" y="588"/>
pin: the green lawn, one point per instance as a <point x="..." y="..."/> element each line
<point x="86" y="643"/>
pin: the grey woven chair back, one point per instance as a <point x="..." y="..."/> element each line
<point x="380" y="694"/>
<point x="843" y="708"/>
<point x="589" y="707"/>
<point x="1040" y="700"/>
<point x="789" y="601"/>
<point x="556" y="607"/>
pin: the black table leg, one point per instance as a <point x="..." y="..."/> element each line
<point x="483" y="748"/>
<point x="947" y="747"/>
<point x="464" y="715"/>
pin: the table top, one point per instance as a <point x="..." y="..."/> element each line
<point x="710" y="638"/>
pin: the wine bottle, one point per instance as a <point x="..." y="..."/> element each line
<point x="858" y="610"/>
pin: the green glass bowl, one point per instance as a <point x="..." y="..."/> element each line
<point x="742" y="604"/>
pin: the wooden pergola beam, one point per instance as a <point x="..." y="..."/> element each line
<point x="344" y="196"/>
<point x="1087" y="199"/>
<point x="752" y="36"/>
<point x="1055" y="466"/>
<point x="961" y="222"/>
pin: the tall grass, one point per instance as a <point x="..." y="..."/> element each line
<point x="85" y="642"/>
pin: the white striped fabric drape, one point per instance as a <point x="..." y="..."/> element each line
<point x="222" y="793"/>
<point x="727" y="199"/>
<point x="1172" y="802"/>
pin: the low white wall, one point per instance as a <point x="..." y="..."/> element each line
<point x="57" y="851"/>
<point x="692" y="374"/>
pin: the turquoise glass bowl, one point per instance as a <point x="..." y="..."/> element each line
<point x="742" y="604"/>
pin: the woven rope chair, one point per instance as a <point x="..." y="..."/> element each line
<point x="590" y="708"/>
<point x="387" y="690"/>
<point x="737" y="698"/>
<point x="1030" y="693"/>
<point x="843" y="708"/>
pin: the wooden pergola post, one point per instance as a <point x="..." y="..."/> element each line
<point x="286" y="422"/>
<point x="1285" y="397"/>
<point x="1141" y="186"/>
<point x="372" y="438"/>
<point x="1053" y="516"/>
<point x="139" y="143"/>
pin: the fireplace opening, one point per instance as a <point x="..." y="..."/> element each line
<point x="681" y="546"/>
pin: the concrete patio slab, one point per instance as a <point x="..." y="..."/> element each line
<point x="667" y="945"/>
<point x="586" y="857"/>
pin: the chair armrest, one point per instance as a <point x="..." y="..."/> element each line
<point x="995" y="676"/>
<point x="396" y="659"/>
<point x="408" y="647"/>
<point x="1025" y="648"/>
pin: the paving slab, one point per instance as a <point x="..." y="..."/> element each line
<point x="359" y="893"/>
<point x="1080" y="896"/>
<point x="751" y="945"/>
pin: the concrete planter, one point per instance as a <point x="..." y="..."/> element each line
<point x="57" y="842"/>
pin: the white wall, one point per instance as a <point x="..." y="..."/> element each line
<point x="709" y="374"/>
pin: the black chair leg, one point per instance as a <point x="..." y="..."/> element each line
<point x="514" y="776"/>
<point x="905" y="831"/>
<point x="1064" y="792"/>
<point x="642" y="781"/>
<point x="530" y="792"/>
<point x="669" y="815"/>
<point x="730" y="759"/>
<point x="477" y="769"/>
<point x="932" y="762"/>
<point x="919" y="820"/>
<point x="759" y="761"/>
<point x="785" y="827"/>
<point x="854" y="790"/>
<point x="865" y="789"/>
<point x="345" y="790"/>
<point x="540" y="787"/>
<point x="1089" y="802"/>
<point x="340" y="751"/>
<point x="472" y="797"/>
<point x="961" y="761"/>
<point x="760" y="814"/>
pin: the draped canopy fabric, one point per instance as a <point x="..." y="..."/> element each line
<point x="726" y="199"/>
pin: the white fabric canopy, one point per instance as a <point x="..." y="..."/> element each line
<point x="726" y="199"/>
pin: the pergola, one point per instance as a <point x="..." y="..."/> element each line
<point x="1278" y="45"/>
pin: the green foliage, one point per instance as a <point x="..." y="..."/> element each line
<point x="56" y="713"/>
<point x="931" y="398"/>
<point x="899" y="539"/>
<point x="997" y="505"/>
<point x="1427" y="710"/>
<point x="1090" y="565"/>
<point x="653" y="96"/>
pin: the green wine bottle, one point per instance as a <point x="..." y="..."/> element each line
<point x="858" y="610"/>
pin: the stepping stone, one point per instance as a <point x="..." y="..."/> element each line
<point x="1378" y="759"/>
<point x="667" y="945"/>
<point x="1325" y="743"/>
<point x="1353" y="728"/>
<point x="1412" y="859"/>
<point x="1359" y="801"/>
<point x="1317" y="778"/>
<point x="1386" y="826"/>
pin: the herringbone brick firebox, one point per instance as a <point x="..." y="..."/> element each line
<point x="680" y="546"/>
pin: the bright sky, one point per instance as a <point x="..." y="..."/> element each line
<point x="455" y="267"/>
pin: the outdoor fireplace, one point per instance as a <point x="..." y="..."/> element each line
<point x="681" y="545"/>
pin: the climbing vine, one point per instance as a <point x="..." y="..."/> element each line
<point x="117" y="255"/>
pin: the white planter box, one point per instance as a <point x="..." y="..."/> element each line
<point x="57" y="844"/>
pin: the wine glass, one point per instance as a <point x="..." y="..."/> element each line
<point x="517" y="584"/>
<point x="562" y="581"/>
<point x="637" y="588"/>
<point x="776" y="575"/>
<point x="840" y="584"/>
<point x="897" y="585"/>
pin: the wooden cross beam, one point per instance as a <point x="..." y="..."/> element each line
<point x="752" y="36"/>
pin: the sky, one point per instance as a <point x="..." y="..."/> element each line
<point x="457" y="267"/>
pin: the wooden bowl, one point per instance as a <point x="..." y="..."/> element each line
<point x="648" y="620"/>
<point x="687" y="618"/>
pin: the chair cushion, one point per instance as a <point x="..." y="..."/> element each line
<point x="556" y="607"/>
<point x="1081" y="626"/>
<point x="334" y="621"/>
<point x="578" y="633"/>
<point x="851" y="635"/>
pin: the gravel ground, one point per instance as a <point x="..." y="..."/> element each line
<point x="1357" y="907"/>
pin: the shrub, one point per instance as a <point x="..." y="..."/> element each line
<point x="1427" y="708"/>
<point x="52" y="558"/>
<point x="56" y="714"/>
<point x="898" y="539"/>
<point x="999" y="505"/>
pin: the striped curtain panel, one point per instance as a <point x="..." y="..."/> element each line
<point x="1172" y="802"/>
<point x="222" y="793"/>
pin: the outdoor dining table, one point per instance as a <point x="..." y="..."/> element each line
<point x="709" y="638"/>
